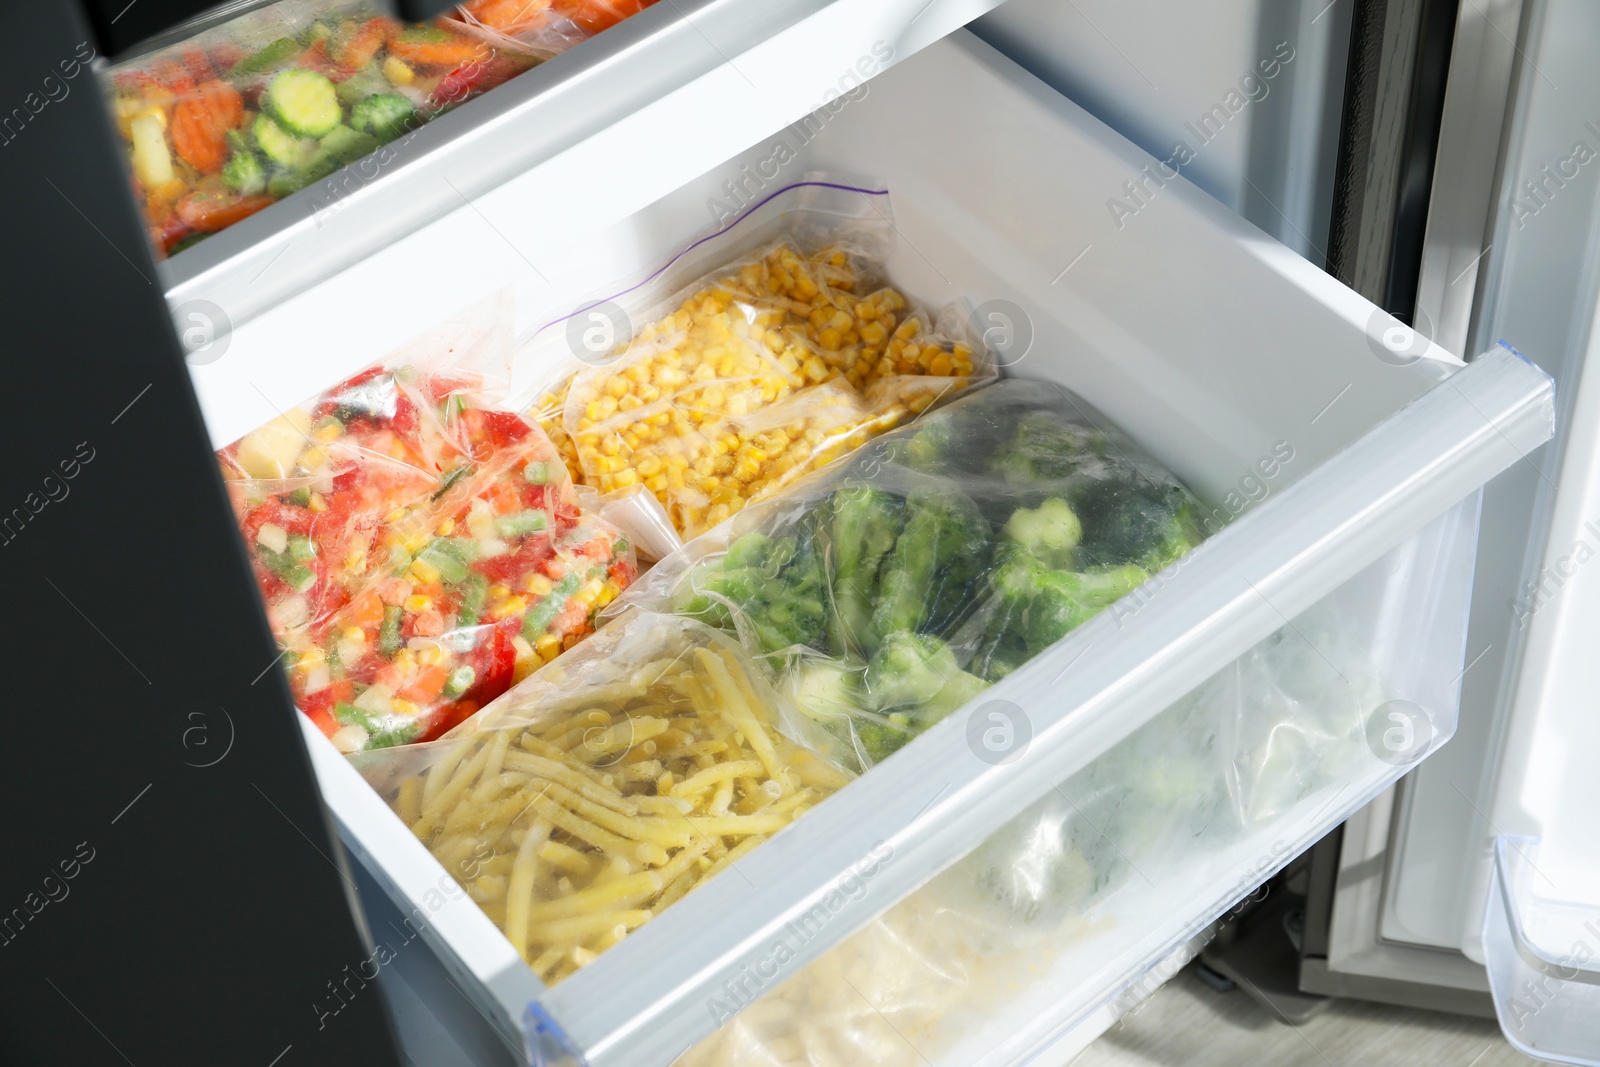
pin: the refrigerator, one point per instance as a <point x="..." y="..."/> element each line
<point x="1329" y="263"/>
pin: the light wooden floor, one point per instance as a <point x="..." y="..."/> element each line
<point x="1189" y="1024"/>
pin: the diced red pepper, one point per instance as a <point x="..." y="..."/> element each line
<point x="198" y="66"/>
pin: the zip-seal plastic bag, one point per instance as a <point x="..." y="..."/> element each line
<point x="607" y="786"/>
<point x="1042" y="903"/>
<point x="418" y="551"/>
<point x="765" y="350"/>
<point x="888" y="590"/>
<point x="225" y="123"/>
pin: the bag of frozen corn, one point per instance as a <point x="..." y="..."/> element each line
<point x="762" y="352"/>
<point x="608" y="785"/>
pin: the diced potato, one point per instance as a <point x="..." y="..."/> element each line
<point x="152" y="161"/>
<point x="271" y="451"/>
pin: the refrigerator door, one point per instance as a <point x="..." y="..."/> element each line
<point x="1409" y="921"/>
<point x="1175" y="325"/>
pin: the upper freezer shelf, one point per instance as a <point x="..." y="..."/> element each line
<point x="597" y="128"/>
<point x="1177" y="326"/>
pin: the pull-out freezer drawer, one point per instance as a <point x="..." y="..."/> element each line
<point x="1216" y="348"/>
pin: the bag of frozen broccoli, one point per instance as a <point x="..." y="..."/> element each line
<point x="887" y="590"/>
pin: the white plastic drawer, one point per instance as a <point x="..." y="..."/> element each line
<point x="597" y="132"/>
<point x="1207" y="341"/>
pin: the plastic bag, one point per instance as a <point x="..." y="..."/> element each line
<point x="1040" y="904"/>
<point x="418" y="551"/>
<point x="225" y="123"/>
<point x="887" y="591"/>
<point x="606" y="786"/>
<point x="639" y="516"/>
<point x="793" y="350"/>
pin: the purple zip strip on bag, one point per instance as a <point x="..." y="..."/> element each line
<point x="752" y="209"/>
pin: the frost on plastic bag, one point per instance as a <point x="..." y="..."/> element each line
<point x="417" y="550"/>
<point x="787" y="348"/>
<point x="607" y="786"/>
<point x="886" y="592"/>
<point x="221" y="125"/>
<point x="1033" y="913"/>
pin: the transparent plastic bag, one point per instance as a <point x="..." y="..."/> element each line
<point x="639" y="516"/>
<point x="888" y="590"/>
<point x="418" y="551"/>
<point x="223" y="124"/>
<point x="606" y="786"/>
<point x="1034" y="913"/>
<point x="765" y="350"/>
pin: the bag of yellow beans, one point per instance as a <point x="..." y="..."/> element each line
<point x="609" y="784"/>
<point x="793" y="349"/>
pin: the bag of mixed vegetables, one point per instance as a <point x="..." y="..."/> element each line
<point x="417" y="550"/>
<point x="605" y="787"/>
<point x="888" y="590"/>
<point x="225" y="123"/>
<point x="764" y="351"/>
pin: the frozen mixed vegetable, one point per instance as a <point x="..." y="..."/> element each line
<point x="889" y="591"/>
<point x="763" y="371"/>
<point x="227" y="122"/>
<point x="607" y="786"/>
<point x="418" y="553"/>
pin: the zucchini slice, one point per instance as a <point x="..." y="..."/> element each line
<point x="303" y="102"/>
<point x="279" y="145"/>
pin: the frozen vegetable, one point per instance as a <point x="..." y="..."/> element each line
<point x="1089" y="874"/>
<point x="418" y="552"/>
<point x="326" y="490"/>
<point x="221" y="125"/>
<point x="607" y="786"/>
<point x="888" y="591"/>
<point x="766" y="369"/>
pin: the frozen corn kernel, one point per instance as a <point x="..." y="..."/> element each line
<point x="694" y="411"/>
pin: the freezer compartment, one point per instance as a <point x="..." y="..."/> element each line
<point x="591" y="135"/>
<point x="1082" y="905"/>
<point x="1177" y="324"/>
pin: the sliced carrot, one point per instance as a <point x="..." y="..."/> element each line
<point x="201" y="121"/>
<point x="429" y="47"/>
<point x="508" y="16"/>
<point x="362" y="43"/>
<point x="210" y="212"/>
<point x="597" y="15"/>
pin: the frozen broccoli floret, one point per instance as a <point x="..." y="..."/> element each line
<point x="773" y="586"/>
<point x="928" y="448"/>
<point x="1045" y="605"/>
<point x="1044" y="449"/>
<point x="1049" y="532"/>
<point x="938" y="554"/>
<point x="917" y="675"/>
<point x="827" y="690"/>
<point x="1145" y="523"/>
<point x="865" y="524"/>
